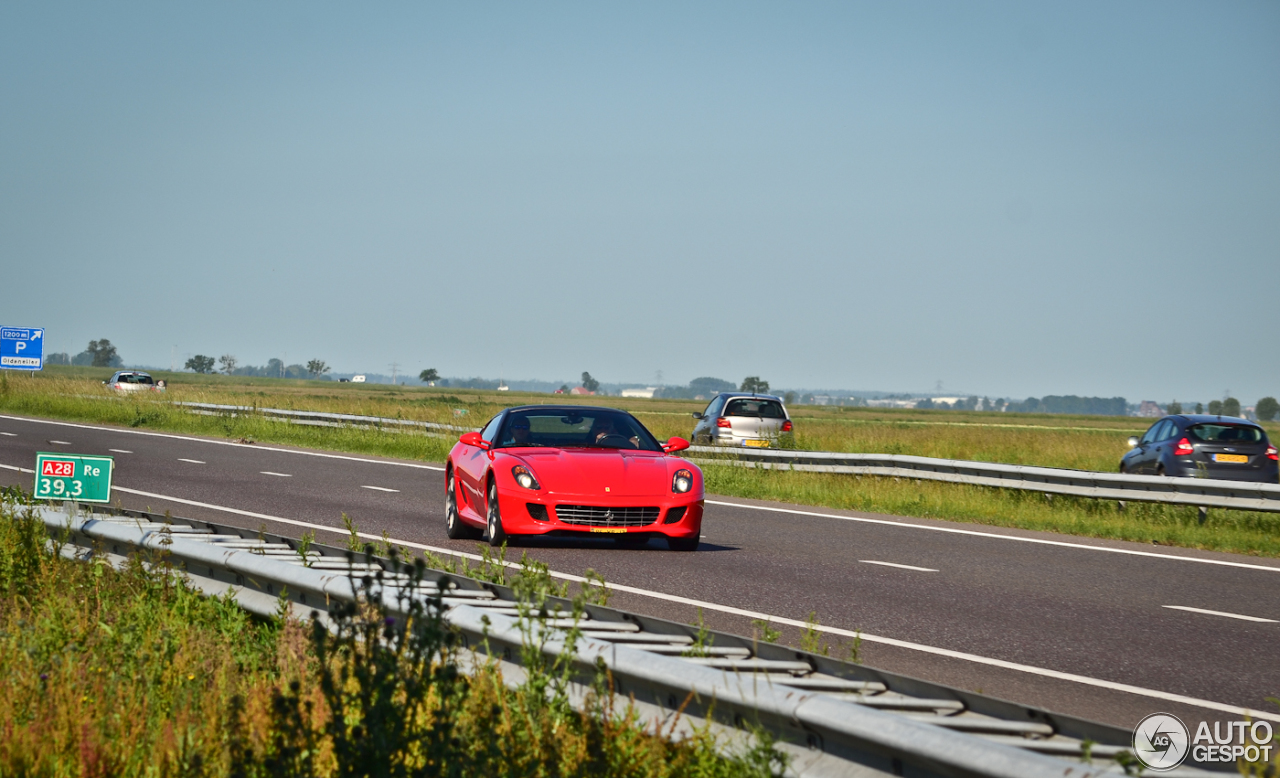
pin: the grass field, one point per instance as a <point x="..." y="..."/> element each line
<point x="1081" y="442"/>
<point x="107" y="672"/>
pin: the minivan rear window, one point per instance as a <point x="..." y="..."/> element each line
<point x="760" y="409"/>
<point x="1225" y="433"/>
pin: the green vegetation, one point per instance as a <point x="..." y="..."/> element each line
<point x="107" y="672"/>
<point x="1223" y="530"/>
<point x="1078" y="442"/>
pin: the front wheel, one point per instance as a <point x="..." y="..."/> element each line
<point x="454" y="526"/>
<point x="496" y="535"/>
<point x="684" y="544"/>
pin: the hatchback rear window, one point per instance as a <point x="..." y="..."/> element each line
<point x="760" y="409"/>
<point x="1225" y="433"/>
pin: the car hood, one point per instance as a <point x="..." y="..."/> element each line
<point x="616" y="473"/>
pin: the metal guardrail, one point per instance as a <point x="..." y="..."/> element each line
<point x="319" y="419"/>
<point x="832" y="717"/>
<point x="1198" y="492"/>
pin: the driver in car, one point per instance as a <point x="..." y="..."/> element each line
<point x="603" y="427"/>
<point x="520" y="434"/>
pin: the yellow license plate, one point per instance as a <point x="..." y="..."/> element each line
<point x="1237" y="458"/>
<point x="756" y="443"/>
<point x="614" y="530"/>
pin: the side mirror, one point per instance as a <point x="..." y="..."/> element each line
<point x="474" y="439"/>
<point x="697" y="415"/>
<point x="1133" y="441"/>
<point x="675" y="444"/>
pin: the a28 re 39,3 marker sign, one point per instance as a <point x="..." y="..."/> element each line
<point x="73" y="477"/>
<point x="21" y="348"/>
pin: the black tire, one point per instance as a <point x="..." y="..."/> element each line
<point x="454" y="526"/>
<point x="684" y="544"/>
<point x="496" y="535"/>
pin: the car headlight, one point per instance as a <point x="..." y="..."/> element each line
<point x="524" y="477"/>
<point x="682" y="482"/>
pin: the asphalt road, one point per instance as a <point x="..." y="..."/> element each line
<point x="1059" y="622"/>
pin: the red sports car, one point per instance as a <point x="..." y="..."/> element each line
<point x="567" y="469"/>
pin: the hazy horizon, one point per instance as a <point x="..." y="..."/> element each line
<point x="1013" y="199"/>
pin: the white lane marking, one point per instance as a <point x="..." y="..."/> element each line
<point x="1029" y="669"/>
<point x="909" y="525"/>
<point x="9" y="434"/>
<point x="281" y="475"/>
<point x="119" y="451"/>
<point x="19" y="469"/>
<point x="60" y="442"/>
<point x="957" y="531"/>
<point x="1221" y="613"/>
<point x="192" y="461"/>
<point x="255" y="446"/>
<point x="379" y="488"/>
<point x="895" y="564"/>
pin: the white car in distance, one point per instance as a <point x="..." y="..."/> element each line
<point x="133" y="381"/>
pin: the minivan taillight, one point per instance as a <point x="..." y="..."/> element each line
<point x="723" y="422"/>
<point x="786" y="425"/>
<point x="1271" y="453"/>
<point x="1183" y="449"/>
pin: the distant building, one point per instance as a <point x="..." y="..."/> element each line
<point x="579" y="390"/>
<point x="1149" y="410"/>
<point x="646" y="392"/>
<point x="357" y="379"/>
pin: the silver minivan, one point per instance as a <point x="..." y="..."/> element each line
<point x="742" y="419"/>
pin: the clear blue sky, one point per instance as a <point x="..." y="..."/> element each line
<point x="1013" y="198"/>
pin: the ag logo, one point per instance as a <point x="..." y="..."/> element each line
<point x="1160" y="741"/>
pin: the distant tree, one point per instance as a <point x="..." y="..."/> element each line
<point x="200" y="364"/>
<point x="1175" y="408"/>
<point x="789" y="398"/>
<point x="1215" y="407"/>
<point x="1199" y="408"/>
<point x="103" y="353"/>
<point x="1267" y="409"/>
<point x="58" y="358"/>
<point x="1231" y="407"/>
<point x="429" y="375"/>
<point x="274" y="368"/>
<point x="564" y="388"/>
<point x="317" y="368"/>
<point x="753" y="383"/>
<point x="589" y="383"/>
<point x="228" y="363"/>
<point x="924" y="405"/>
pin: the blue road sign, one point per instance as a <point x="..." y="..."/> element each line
<point x="21" y="348"/>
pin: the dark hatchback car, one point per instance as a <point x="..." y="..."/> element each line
<point x="1196" y="446"/>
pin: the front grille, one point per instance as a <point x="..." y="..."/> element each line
<point x="598" y="516"/>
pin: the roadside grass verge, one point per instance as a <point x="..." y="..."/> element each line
<point x="1243" y="532"/>
<point x="107" y="672"/>
<point x="911" y="432"/>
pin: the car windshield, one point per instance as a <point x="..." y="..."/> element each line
<point x="1225" y="433"/>
<point x="759" y="409"/>
<point x="585" y="428"/>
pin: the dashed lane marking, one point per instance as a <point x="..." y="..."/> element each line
<point x="895" y="564"/>
<point x="994" y="536"/>
<point x="119" y="451"/>
<point x="1221" y="613"/>
<point x="192" y="461"/>
<point x="279" y="475"/>
<point x="254" y="446"/>
<point x="1028" y="669"/>
<point x="60" y="442"/>
<point x="379" y="488"/>
<point x="9" y="434"/>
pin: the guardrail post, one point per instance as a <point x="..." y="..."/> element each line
<point x="1204" y="513"/>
